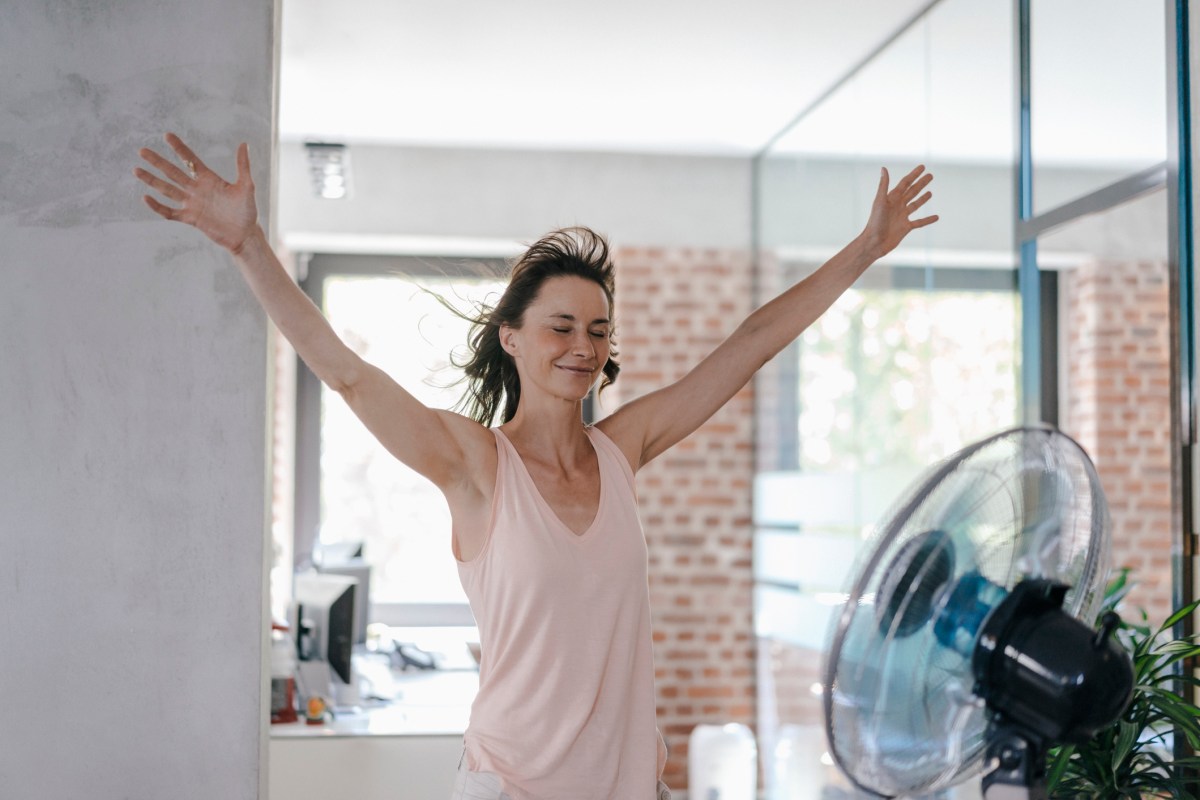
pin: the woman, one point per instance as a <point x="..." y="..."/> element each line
<point x="545" y="528"/>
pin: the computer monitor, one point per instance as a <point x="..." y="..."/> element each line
<point x="358" y="569"/>
<point x="325" y="606"/>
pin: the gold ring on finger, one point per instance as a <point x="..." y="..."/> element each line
<point x="191" y="168"/>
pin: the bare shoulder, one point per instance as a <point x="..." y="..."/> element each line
<point x="623" y="428"/>
<point x="476" y="446"/>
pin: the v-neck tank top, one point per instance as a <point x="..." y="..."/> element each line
<point x="566" y="707"/>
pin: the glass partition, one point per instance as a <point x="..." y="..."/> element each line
<point x="1099" y="116"/>
<point x="1113" y="339"/>
<point x="918" y="359"/>
<point x="1098" y="95"/>
<point x="922" y="356"/>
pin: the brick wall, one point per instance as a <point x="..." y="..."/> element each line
<point x="673" y="307"/>
<point x="1117" y="404"/>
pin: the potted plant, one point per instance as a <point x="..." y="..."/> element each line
<point x="1133" y="757"/>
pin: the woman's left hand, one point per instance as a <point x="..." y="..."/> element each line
<point x="891" y="213"/>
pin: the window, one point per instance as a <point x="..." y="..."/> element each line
<point x="907" y="367"/>
<point x="895" y="376"/>
<point x="391" y="312"/>
<point x="920" y="358"/>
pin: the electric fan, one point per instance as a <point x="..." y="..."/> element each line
<point x="965" y="643"/>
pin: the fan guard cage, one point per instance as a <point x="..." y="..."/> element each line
<point x="900" y="714"/>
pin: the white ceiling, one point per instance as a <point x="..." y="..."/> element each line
<point x="699" y="76"/>
<point x="690" y="76"/>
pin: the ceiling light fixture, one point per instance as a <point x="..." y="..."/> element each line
<point x="329" y="168"/>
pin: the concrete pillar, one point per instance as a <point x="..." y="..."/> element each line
<point x="133" y="409"/>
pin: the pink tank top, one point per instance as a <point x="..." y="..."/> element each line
<point x="566" y="707"/>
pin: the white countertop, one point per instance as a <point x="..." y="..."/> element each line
<point x="434" y="703"/>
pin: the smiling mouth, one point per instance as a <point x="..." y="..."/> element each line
<point x="577" y="370"/>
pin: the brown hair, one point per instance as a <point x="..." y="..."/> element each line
<point x="489" y="371"/>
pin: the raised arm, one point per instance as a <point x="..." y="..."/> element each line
<point x="649" y="425"/>
<point x="434" y="443"/>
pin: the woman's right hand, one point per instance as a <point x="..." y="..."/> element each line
<point x="224" y="212"/>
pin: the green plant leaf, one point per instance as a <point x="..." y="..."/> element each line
<point x="1176" y="646"/>
<point x="1161" y="672"/>
<point x="1116" y="590"/>
<point x="1140" y="646"/>
<point x="1118" y="583"/>
<point x="1165" y="778"/>
<point x="1165" y="699"/>
<point x="1180" y="614"/>
<point x="1185" y="722"/>
<point x="1061" y="757"/>
<point x="1128" y="759"/>
<point x="1125" y="741"/>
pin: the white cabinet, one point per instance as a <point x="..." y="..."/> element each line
<point x="406" y="750"/>
<point x="363" y="767"/>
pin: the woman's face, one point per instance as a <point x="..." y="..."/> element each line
<point x="563" y="342"/>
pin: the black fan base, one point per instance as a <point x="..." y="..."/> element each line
<point x="1016" y="767"/>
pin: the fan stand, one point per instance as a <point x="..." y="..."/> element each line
<point x="1018" y="766"/>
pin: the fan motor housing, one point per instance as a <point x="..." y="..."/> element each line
<point x="1046" y="672"/>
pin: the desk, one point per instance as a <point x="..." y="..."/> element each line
<point x="406" y="750"/>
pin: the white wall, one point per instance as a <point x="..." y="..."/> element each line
<point x="133" y="387"/>
<point x="431" y="194"/>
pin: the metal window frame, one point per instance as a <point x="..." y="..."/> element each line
<point x="1182" y="255"/>
<point x="1175" y="175"/>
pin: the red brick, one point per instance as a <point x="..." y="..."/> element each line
<point x="695" y="501"/>
<point x="1126" y="431"/>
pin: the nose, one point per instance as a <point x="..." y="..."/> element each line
<point x="583" y="345"/>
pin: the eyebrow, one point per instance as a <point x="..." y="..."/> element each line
<point x="571" y="318"/>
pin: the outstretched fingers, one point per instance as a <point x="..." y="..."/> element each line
<point x="910" y="194"/>
<point x="168" y="190"/>
<point x="920" y="201"/>
<point x="166" y="167"/>
<point x="912" y="183"/>
<point x="185" y="154"/>
<point x="916" y="204"/>
<point x="166" y="212"/>
<point x="917" y="187"/>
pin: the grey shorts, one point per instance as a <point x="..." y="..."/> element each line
<point x="470" y="785"/>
